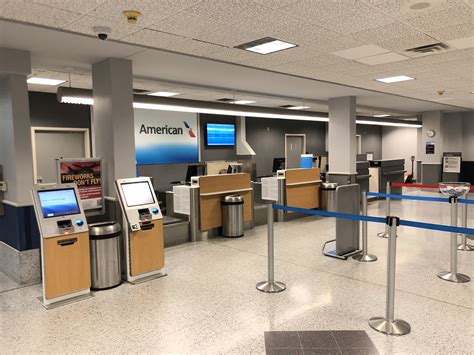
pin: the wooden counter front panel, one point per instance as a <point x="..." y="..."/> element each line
<point x="147" y="249"/>
<point x="67" y="266"/>
<point x="304" y="195"/>
<point x="217" y="185"/>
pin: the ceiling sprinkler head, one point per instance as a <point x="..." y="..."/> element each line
<point x="132" y="16"/>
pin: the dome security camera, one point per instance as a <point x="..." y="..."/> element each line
<point x="102" y="32"/>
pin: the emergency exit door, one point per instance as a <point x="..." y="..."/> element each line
<point x="295" y="145"/>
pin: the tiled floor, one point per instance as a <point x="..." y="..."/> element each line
<point x="7" y="284"/>
<point x="336" y="342"/>
<point x="209" y="304"/>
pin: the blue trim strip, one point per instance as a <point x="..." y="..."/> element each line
<point x="409" y="197"/>
<point x="422" y="225"/>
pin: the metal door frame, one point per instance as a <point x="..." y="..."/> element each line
<point x="34" y="130"/>
<point x="294" y="135"/>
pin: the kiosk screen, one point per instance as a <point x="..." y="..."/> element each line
<point x="55" y="203"/>
<point x="137" y="193"/>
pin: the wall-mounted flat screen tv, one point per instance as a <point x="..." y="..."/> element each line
<point x="220" y="134"/>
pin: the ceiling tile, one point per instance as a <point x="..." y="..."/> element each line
<point x="79" y="6"/>
<point x="453" y="32"/>
<point x="186" y="25"/>
<point x="350" y="67"/>
<point x="452" y="17"/>
<point x="382" y="58"/>
<point x="226" y="11"/>
<point x="403" y="10"/>
<point x="282" y="57"/>
<point x="382" y="33"/>
<point x="321" y="60"/>
<point x="151" y="10"/>
<point x="400" y="44"/>
<point x="155" y="39"/>
<point x="462" y="43"/>
<point x="360" y="52"/>
<point x="233" y="55"/>
<point x="320" y="10"/>
<point x="275" y="4"/>
<point x="195" y="47"/>
<point x="22" y="10"/>
<point x="356" y="22"/>
<point x="85" y="25"/>
<point x="229" y="37"/>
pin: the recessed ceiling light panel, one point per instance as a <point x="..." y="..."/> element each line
<point x="163" y="93"/>
<point x="293" y="107"/>
<point x="382" y="115"/>
<point x="44" y="81"/>
<point x="266" y="45"/>
<point x="244" y="102"/>
<point x="395" y="79"/>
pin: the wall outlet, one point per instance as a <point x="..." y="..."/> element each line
<point x="3" y="186"/>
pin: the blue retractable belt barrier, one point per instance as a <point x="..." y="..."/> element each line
<point x="422" y="225"/>
<point x="409" y="197"/>
<point x="463" y="200"/>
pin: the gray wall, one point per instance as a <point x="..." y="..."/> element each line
<point x="371" y="139"/>
<point x="267" y="138"/>
<point x="46" y="111"/>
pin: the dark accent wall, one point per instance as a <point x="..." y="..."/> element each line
<point x="371" y="139"/>
<point x="46" y="111"/>
<point x="18" y="228"/>
<point x="267" y="138"/>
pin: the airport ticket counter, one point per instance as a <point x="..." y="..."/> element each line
<point x="65" y="258"/>
<point x="207" y="193"/>
<point x="295" y="188"/>
<point x="143" y="229"/>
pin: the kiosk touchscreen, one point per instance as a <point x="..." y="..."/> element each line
<point x="144" y="243"/>
<point x="65" y="257"/>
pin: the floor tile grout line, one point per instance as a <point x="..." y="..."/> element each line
<point x="343" y="276"/>
<point x="299" y="339"/>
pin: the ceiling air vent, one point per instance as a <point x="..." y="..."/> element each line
<point x="430" y="48"/>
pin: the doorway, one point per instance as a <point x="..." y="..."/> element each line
<point x="51" y="143"/>
<point x="295" y="145"/>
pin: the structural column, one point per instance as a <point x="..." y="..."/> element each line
<point x="18" y="232"/>
<point x="431" y="147"/>
<point x="342" y="147"/>
<point x="113" y="119"/>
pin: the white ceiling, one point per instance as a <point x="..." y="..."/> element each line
<point x="324" y="30"/>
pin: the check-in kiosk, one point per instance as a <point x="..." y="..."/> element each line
<point x="143" y="239"/>
<point x="65" y="258"/>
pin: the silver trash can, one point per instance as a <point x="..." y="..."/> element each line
<point x="106" y="270"/>
<point x="328" y="196"/>
<point x="232" y="216"/>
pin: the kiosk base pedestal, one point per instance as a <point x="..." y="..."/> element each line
<point x="66" y="301"/>
<point x="139" y="280"/>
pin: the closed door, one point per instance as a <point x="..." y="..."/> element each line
<point x="50" y="145"/>
<point x="295" y="146"/>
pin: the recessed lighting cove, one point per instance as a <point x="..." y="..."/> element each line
<point x="163" y="93"/>
<point x="395" y="79"/>
<point x="44" y="81"/>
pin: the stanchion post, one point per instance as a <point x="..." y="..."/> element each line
<point x="388" y="190"/>
<point x="388" y="324"/>
<point x="271" y="286"/>
<point x="464" y="246"/>
<point x="365" y="256"/>
<point x="452" y="275"/>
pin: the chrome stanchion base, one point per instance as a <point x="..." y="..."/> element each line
<point x="382" y="235"/>
<point x="465" y="247"/>
<point x="390" y="327"/>
<point x="365" y="258"/>
<point x="268" y="287"/>
<point x="449" y="276"/>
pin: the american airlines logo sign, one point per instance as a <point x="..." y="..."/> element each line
<point x="167" y="130"/>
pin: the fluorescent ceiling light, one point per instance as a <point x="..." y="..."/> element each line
<point x="382" y="115"/>
<point x="163" y="93"/>
<point x="266" y="45"/>
<point x="395" y="79"/>
<point x="244" y="102"/>
<point x="390" y="124"/>
<point x="298" y="107"/>
<point x="149" y="106"/>
<point x="77" y="100"/>
<point x="44" y="81"/>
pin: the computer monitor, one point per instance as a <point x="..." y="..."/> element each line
<point x="234" y="168"/>
<point x="278" y="164"/>
<point x="137" y="193"/>
<point x="195" y="170"/>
